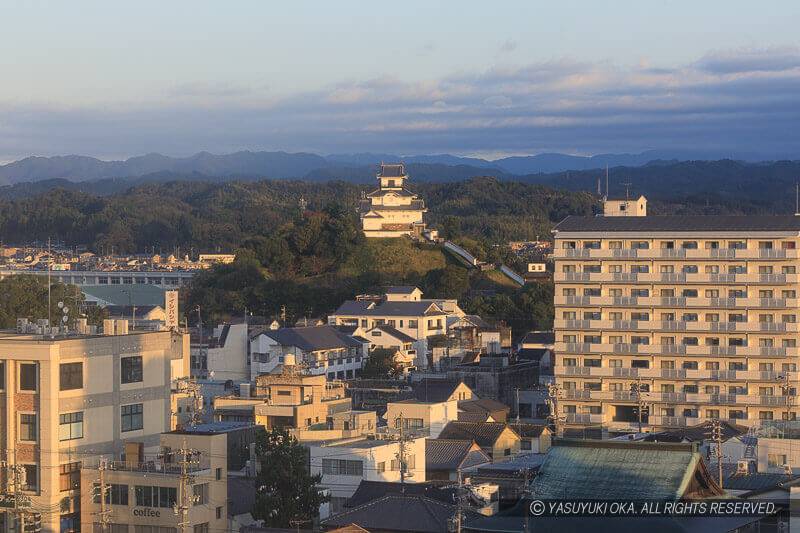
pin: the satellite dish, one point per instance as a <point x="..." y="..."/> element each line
<point x="60" y="305"/>
<point x="66" y="310"/>
<point x="64" y="319"/>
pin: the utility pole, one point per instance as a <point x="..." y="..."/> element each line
<point x="458" y="519"/>
<point x="185" y="498"/>
<point x="526" y="491"/>
<point x="788" y="397"/>
<point x="516" y="394"/>
<point x="401" y="455"/>
<point x="103" y="491"/>
<point x="553" y="391"/>
<point x="636" y="389"/>
<point x="716" y="436"/>
<point x="15" y="475"/>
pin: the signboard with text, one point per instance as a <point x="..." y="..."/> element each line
<point x="171" y="308"/>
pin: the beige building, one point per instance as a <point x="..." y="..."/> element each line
<point x="392" y="210"/>
<point x="143" y="491"/>
<point x="67" y="400"/>
<point x="698" y="313"/>
<point x="423" y="418"/>
<point x="625" y="207"/>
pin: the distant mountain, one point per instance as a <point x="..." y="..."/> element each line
<point x="82" y="168"/>
<point x="349" y="167"/>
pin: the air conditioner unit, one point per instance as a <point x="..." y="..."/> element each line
<point x="742" y="467"/>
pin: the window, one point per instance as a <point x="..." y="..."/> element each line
<point x="776" y="460"/>
<point x="640" y="364"/>
<point x="640" y="245"/>
<point x="30" y="478"/>
<point x="144" y="529"/>
<point x="132" y="369"/>
<point x="115" y="495"/>
<point x="640" y="293"/>
<point x="132" y="418"/>
<point x="147" y="496"/>
<point x="219" y="513"/>
<point x="27" y="427"/>
<point x="789" y="270"/>
<point x="615" y="245"/>
<point x="507" y="452"/>
<point x="2" y="375"/>
<point x="27" y="377"/>
<point x="70" y="426"/>
<point x="712" y="269"/>
<point x="200" y="494"/>
<point x="382" y="466"/>
<point x="69" y="477"/>
<point x="342" y="467"/>
<point x="71" y="376"/>
<point x="712" y="293"/>
<point x="218" y="474"/>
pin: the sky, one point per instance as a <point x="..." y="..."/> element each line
<point x="113" y="79"/>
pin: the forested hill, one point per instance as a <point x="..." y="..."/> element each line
<point x="208" y="216"/>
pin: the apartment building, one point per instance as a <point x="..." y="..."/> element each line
<point x="66" y="400"/>
<point x="676" y="319"/>
<point x="143" y="491"/>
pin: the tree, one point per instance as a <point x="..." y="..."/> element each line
<point x="26" y="297"/>
<point x="380" y="365"/>
<point x="285" y="489"/>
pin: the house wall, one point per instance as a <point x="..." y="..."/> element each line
<point x="434" y="415"/>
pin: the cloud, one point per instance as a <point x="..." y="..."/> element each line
<point x="750" y="60"/>
<point x="508" y="46"/>
<point x="729" y="101"/>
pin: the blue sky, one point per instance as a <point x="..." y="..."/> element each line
<point x="472" y="78"/>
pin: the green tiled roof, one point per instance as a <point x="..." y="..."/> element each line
<point x="588" y="469"/>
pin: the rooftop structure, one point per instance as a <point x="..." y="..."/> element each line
<point x="392" y="210"/>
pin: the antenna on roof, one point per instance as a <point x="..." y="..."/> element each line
<point x="627" y="185"/>
<point x="606" y="197"/>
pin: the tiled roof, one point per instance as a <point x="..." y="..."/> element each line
<point x="587" y="469"/>
<point x="313" y="338"/>
<point x="697" y="433"/>
<point x="368" y="308"/>
<point x="394" y="170"/>
<point x="528" y="430"/>
<point x="539" y="337"/>
<point x="447" y="454"/>
<point x="401" y="289"/>
<point x="434" y="390"/>
<point x="695" y="223"/>
<point x="482" y="405"/>
<point x="484" y="433"/>
<point x="396" y="333"/>
<point x="368" y="491"/>
<point x="128" y="311"/>
<point x="397" y="512"/>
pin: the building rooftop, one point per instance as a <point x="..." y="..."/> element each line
<point x="697" y="433"/>
<point x="396" y="333"/>
<point x="539" y="337"/>
<point x="394" y="170"/>
<point x="397" y="512"/>
<point x="368" y="491"/>
<point x="371" y="308"/>
<point x="434" y="390"/>
<point x="591" y="469"/>
<point x="312" y="338"/>
<point x="213" y="428"/>
<point x="447" y="454"/>
<point x="484" y="433"/>
<point x="138" y="295"/>
<point x="695" y="223"/>
<point x="401" y="289"/>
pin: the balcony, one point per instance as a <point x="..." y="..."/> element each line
<point x="582" y="418"/>
<point x="675" y="253"/>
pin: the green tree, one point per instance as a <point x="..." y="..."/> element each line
<point x="285" y="490"/>
<point x="26" y="297"/>
<point x="379" y="365"/>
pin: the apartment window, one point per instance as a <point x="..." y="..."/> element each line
<point x="132" y="417"/>
<point x="712" y="245"/>
<point x="737" y="366"/>
<point x="737" y="390"/>
<point x="640" y="316"/>
<point x="766" y="343"/>
<point x="569" y="245"/>
<point x="70" y="376"/>
<point x="570" y="361"/>
<point x="147" y="496"/>
<point x="70" y="426"/>
<point x="737" y="342"/>
<point x="591" y="269"/>
<point x="637" y="339"/>
<point x="789" y="294"/>
<point x="570" y="338"/>
<point x="667" y="411"/>
<point x="381" y="467"/>
<point x="614" y="245"/>
<point x="616" y="387"/>
<point x="203" y="528"/>
<point x="667" y="341"/>
<point x="712" y="293"/>
<point x="712" y="413"/>
<point x="788" y="319"/>
<point x="640" y="364"/>
<point x="30" y="478"/>
<point x="591" y="363"/>
<point x="640" y="245"/>
<point x="765" y="269"/>
<point x="615" y="339"/>
<point x="737" y="317"/>
<point x="591" y="245"/>
<point x="712" y="365"/>
<point x="667" y="245"/>
<point x="689" y="245"/>
<point x="689" y="269"/>
<point x="712" y="341"/>
<point x="766" y="318"/>
<point x="690" y="389"/>
<point x="342" y="467"/>
<point x="591" y="339"/>
<point x="667" y="269"/>
<point x="200" y="494"/>
<point x="116" y="494"/>
<point x="712" y="269"/>
<point x="668" y="365"/>
<point x="689" y="341"/>
<point x="712" y="317"/>
<point x="615" y="269"/>
<point x="27" y="377"/>
<point x="789" y="343"/>
<point x="568" y="292"/>
<point x="689" y="293"/>
<point x="765" y="415"/>
<point x="765" y="245"/>
<point x="412" y="323"/>
<point x="615" y="315"/>
<point x="712" y="389"/>
<point x="592" y="386"/>
<point x="667" y="293"/>
<point x="737" y="245"/>
<point x="69" y="477"/>
<point x="591" y="292"/>
<point x="219" y="513"/>
<point x="689" y="317"/>
<point x="615" y="363"/>
<point x="132" y="369"/>
<point x="640" y="269"/>
<point x="689" y="365"/>
<point x="27" y="427"/>
<point x="737" y="414"/>
<point x="776" y="460"/>
<point x="788" y="245"/>
<point x="737" y="293"/>
<point x="637" y="293"/>
<point x="789" y="367"/>
<point x="591" y="315"/>
<point x="766" y="391"/>
<point x="568" y="315"/>
<point x="218" y="474"/>
<point x="616" y="293"/>
<point x="667" y="387"/>
<point x="789" y="270"/>
<point x="737" y="269"/>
